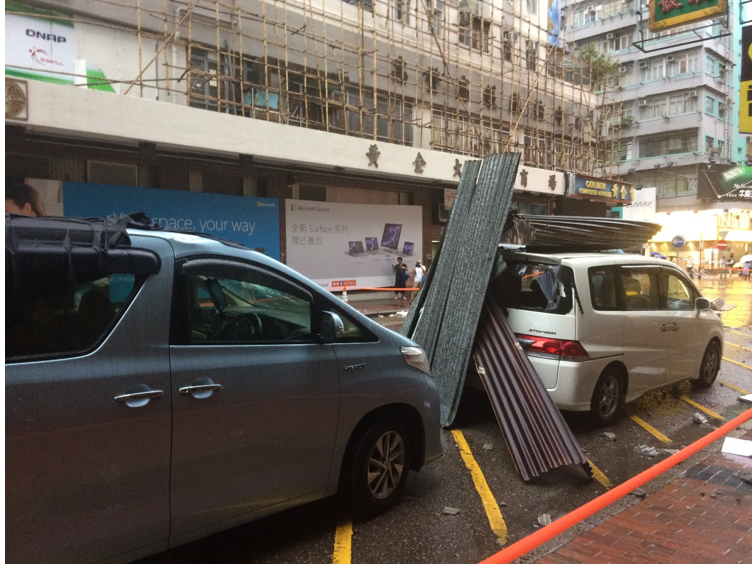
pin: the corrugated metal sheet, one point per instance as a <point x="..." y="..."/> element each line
<point x="577" y="233"/>
<point x="447" y="324"/>
<point x="535" y="432"/>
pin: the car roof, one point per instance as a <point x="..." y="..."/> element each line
<point x="589" y="259"/>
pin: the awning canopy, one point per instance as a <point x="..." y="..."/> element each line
<point x="739" y="235"/>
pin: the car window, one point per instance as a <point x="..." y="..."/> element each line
<point x="641" y="289"/>
<point x="535" y="286"/>
<point x="603" y="293"/>
<point x="64" y="317"/>
<point x="678" y="292"/>
<point x="251" y="310"/>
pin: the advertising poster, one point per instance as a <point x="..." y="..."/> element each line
<point x="254" y="222"/>
<point x="642" y="208"/>
<point x="339" y="245"/>
<point x="731" y="183"/>
<point x="745" y="82"/>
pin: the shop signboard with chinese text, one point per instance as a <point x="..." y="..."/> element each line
<point x="745" y="83"/>
<point x="728" y="183"/>
<point x="338" y="245"/>
<point x="541" y="181"/>
<point x="666" y="14"/>
<point x="602" y="190"/>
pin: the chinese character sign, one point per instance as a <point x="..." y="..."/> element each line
<point x="665" y="14"/>
<point x="600" y="189"/>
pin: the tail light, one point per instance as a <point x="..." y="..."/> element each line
<point x="551" y="348"/>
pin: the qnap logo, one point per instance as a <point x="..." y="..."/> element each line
<point x="46" y="36"/>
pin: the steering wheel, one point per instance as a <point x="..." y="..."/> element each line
<point x="247" y="327"/>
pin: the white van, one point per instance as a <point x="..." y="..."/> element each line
<point x="605" y="328"/>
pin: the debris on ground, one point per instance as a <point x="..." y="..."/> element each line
<point x="670" y="451"/>
<point x="639" y="492"/>
<point x="448" y="510"/>
<point x="646" y="450"/>
<point x="544" y="519"/>
<point x="488" y="446"/>
<point x="698" y="418"/>
<point x="610" y="436"/>
<point x="745" y="398"/>
<point x="745" y="476"/>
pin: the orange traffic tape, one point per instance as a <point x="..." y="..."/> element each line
<point x="532" y="541"/>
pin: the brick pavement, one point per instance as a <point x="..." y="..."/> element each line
<point x="702" y="516"/>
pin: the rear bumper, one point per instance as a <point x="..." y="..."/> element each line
<point x="575" y="381"/>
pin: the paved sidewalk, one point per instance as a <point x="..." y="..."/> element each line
<point x="702" y="516"/>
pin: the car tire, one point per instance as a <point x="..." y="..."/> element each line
<point x="380" y="466"/>
<point x="709" y="366"/>
<point x="608" y="397"/>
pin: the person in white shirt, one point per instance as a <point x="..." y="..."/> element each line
<point x="419" y="275"/>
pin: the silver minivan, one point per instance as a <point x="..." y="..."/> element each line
<point x="164" y="386"/>
<point x="602" y="329"/>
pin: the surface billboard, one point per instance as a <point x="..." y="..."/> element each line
<point x="731" y="183"/>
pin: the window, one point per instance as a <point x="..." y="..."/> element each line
<point x="402" y="11"/>
<point x="709" y="105"/>
<point x="616" y="43"/>
<point x="252" y="306"/>
<point x="679" y="295"/>
<point x="710" y="65"/>
<point x="672" y="187"/>
<point x="532" y="6"/>
<point x="682" y="64"/>
<point x="722" y="110"/>
<point x="532" y="55"/>
<point x="655" y="108"/>
<point x="721" y="148"/>
<point x="508" y="48"/>
<point x="535" y="286"/>
<point x="641" y="289"/>
<point x="680" y="104"/>
<point x="652" y="71"/>
<point x="668" y="145"/>
<point x="603" y="294"/>
<point x="708" y="144"/>
<point x="61" y="313"/>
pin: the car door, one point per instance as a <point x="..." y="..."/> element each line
<point x="88" y="411"/>
<point x="691" y="336"/>
<point x="647" y="328"/>
<point x="256" y="395"/>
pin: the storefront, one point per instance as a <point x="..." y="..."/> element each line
<point x="590" y="196"/>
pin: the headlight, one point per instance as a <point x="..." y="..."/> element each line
<point x="416" y="357"/>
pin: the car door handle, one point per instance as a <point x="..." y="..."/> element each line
<point x="199" y="388"/>
<point x="669" y="327"/>
<point x="139" y="397"/>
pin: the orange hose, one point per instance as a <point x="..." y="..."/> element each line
<point x="532" y="541"/>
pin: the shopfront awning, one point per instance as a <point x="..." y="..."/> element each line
<point x="739" y="236"/>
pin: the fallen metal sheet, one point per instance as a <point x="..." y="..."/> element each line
<point x="447" y="323"/>
<point x="577" y="233"/>
<point x="536" y="434"/>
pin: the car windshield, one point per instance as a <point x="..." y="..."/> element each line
<point x="535" y="286"/>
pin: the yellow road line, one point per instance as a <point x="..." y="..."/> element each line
<point x="724" y="383"/>
<point x="739" y="333"/>
<point x="739" y="346"/>
<point x="498" y="525"/>
<point x="737" y="363"/>
<point x="599" y="476"/>
<point x="640" y="422"/>
<point x="343" y="540"/>
<point x="701" y="407"/>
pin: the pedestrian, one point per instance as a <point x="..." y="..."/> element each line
<point x="419" y="275"/>
<point x="745" y="270"/>
<point x="400" y="278"/>
<point x="690" y="268"/>
<point x="20" y="198"/>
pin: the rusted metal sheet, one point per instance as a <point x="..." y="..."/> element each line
<point x="536" y="434"/>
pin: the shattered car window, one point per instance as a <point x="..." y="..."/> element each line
<point x="535" y="286"/>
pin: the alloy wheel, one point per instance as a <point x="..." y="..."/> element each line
<point x="386" y="464"/>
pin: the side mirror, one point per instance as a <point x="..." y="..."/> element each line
<point x="332" y="327"/>
<point x="702" y="304"/>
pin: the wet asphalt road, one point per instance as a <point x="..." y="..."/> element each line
<point x="417" y="530"/>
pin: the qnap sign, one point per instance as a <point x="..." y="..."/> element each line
<point x="46" y="36"/>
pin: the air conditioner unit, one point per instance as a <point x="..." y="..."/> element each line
<point x="670" y="58"/>
<point x="464" y="19"/>
<point x="590" y="9"/>
<point x="722" y="67"/>
<point x="642" y="103"/>
<point x="692" y="94"/>
<point x="643" y="64"/>
<point x="721" y="106"/>
<point x="609" y="36"/>
<point x="622" y="70"/>
<point x="438" y="6"/>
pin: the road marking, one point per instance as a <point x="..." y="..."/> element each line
<point x="701" y="407"/>
<point x="737" y="363"/>
<point x="498" y="525"/>
<point x="599" y="476"/>
<point x="739" y="333"/>
<point x="724" y="383"/>
<point x="640" y="422"/>
<point x="343" y="540"/>
<point x="739" y="346"/>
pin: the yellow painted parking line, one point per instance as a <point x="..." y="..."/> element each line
<point x="738" y="333"/>
<point x="701" y="407"/>
<point x="343" y="540"/>
<point x="642" y="423"/>
<point x="724" y="383"/>
<point x="599" y="476"/>
<point x="737" y="363"/>
<point x="498" y="525"/>
<point x="739" y="346"/>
